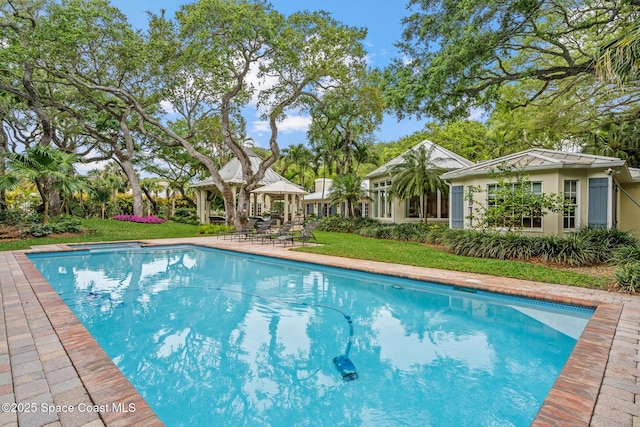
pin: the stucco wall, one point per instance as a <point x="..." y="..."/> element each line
<point x="628" y="211"/>
<point x="552" y="182"/>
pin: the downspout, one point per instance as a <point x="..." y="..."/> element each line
<point x="612" y="208"/>
<point x="635" y="202"/>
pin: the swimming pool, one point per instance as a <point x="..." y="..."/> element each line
<point x="209" y="337"/>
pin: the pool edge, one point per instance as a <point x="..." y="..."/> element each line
<point x="587" y="390"/>
<point x="102" y="379"/>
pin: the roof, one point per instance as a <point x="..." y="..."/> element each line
<point x="319" y="196"/>
<point x="231" y="172"/>
<point x="440" y="157"/>
<point x="280" y="187"/>
<point x="538" y="159"/>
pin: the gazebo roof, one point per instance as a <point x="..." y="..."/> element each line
<point x="280" y="187"/>
<point x="231" y="172"/>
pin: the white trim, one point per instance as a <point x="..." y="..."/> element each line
<point x="609" y="202"/>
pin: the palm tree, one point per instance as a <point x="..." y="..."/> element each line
<point x="363" y="153"/>
<point x="50" y="169"/>
<point x="415" y="176"/>
<point x="299" y="156"/>
<point x="619" y="60"/>
<point x="347" y="188"/>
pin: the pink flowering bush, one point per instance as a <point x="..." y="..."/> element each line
<point x="141" y="219"/>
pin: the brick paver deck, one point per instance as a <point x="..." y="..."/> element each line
<point x="52" y="372"/>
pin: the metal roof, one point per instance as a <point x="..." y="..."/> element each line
<point x="440" y="157"/>
<point x="538" y="159"/>
<point x="231" y="172"/>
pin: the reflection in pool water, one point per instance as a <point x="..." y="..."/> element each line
<point x="210" y="337"/>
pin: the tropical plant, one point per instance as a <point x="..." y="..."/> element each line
<point x="297" y="155"/>
<point x="619" y="60"/>
<point x="628" y="277"/>
<point x="50" y="169"/>
<point x="348" y="189"/>
<point x="416" y="175"/>
<point x="511" y="203"/>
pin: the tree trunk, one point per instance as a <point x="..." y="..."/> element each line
<point x="134" y="183"/>
<point x="55" y="208"/>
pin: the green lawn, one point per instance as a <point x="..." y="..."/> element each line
<point x="350" y="245"/>
<point x="339" y="244"/>
<point x="109" y="230"/>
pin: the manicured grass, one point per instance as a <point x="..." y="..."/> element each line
<point x="338" y="244"/>
<point x="110" y="230"/>
<point x="354" y="246"/>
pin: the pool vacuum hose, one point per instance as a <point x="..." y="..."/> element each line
<point x="344" y="365"/>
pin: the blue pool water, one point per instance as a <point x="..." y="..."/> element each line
<point x="210" y="337"/>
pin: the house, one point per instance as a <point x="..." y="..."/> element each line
<point x="317" y="203"/>
<point x="597" y="190"/>
<point x="391" y="210"/>
<point x="284" y="200"/>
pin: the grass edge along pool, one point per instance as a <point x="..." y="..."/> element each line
<point x="395" y="287"/>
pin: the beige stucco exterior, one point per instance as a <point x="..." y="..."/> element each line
<point x="606" y="191"/>
<point x="552" y="182"/>
<point x="627" y="208"/>
<point x="393" y="210"/>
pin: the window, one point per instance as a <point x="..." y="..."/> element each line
<point x="363" y="208"/>
<point x="444" y="205"/>
<point x="570" y="195"/>
<point x="381" y="200"/>
<point x="412" y="207"/>
<point x="520" y="216"/>
<point x="431" y="205"/>
<point x="259" y="208"/>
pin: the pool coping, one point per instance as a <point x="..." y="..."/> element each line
<point x="597" y="386"/>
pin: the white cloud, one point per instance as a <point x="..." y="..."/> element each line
<point x="167" y="106"/>
<point x="83" y="168"/>
<point x="291" y="124"/>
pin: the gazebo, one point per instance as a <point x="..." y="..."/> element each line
<point x="284" y="190"/>
<point x="231" y="173"/>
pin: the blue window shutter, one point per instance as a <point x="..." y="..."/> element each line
<point x="598" y="199"/>
<point x="457" y="206"/>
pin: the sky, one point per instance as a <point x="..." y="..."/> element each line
<point x="382" y="18"/>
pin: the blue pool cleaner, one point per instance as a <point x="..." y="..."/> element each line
<point x="344" y="365"/>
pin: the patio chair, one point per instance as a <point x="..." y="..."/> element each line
<point x="247" y="228"/>
<point x="262" y="229"/>
<point x="306" y="235"/>
<point x="283" y="232"/>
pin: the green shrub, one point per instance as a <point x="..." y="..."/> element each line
<point x="210" y="229"/>
<point x="489" y="244"/>
<point x="185" y="219"/>
<point x="437" y="233"/>
<point x="572" y="250"/>
<point x="11" y="216"/>
<point x="185" y="216"/>
<point x="185" y="212"/>
<point x="337" y="224"/>
<point x="605" y="241"/>
<point x="378" y="231"/>
<point x="58" y="224"/>
<point x="409" y="232"/>
<point x="626" y="254"/>
<point x="627" y="277"/>
<point x="66" y="224"/>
